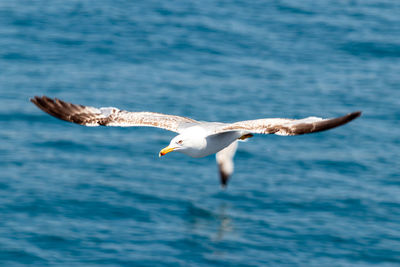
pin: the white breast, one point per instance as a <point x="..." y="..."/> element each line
<point x="217" y="142"/>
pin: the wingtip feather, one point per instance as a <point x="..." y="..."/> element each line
<point x="224" y="177"/>
<point x="355" y="114"/>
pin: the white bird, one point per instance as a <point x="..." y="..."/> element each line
<point x="196" y="138"/>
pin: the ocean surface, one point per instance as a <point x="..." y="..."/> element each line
<point x="79" y="196"/>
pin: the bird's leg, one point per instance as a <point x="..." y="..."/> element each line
<point x="245" y="136"/>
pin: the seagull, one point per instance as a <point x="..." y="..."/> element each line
<point x="195" y="138"/>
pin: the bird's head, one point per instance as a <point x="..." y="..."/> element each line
<point x="186" y="143"/>
<point x="176" y="144"/>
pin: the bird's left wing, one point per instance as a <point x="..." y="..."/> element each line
<point x="109" y="116"/>
<point x="225" y="162"/>
<point x="288" y="126"/>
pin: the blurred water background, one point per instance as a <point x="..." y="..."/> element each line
<point x="77" y="196"/>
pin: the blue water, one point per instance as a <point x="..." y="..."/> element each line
<point x="77" y="196"/>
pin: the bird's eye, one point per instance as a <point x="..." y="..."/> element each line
<point x="180" y="142"/>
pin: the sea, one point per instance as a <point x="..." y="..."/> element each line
<point x="100" y="196"/>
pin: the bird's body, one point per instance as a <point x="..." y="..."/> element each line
<point x="196" y="139"/>
<point x="204" y="141"/>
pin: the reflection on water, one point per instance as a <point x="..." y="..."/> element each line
<point x="225" y="223"/>
<point x="215" y="224"/>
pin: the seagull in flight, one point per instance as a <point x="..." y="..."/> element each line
<point x="195" y="138"/>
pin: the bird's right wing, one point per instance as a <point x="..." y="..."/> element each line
<point x="288" y="126"/>
<point x="109" y="116"/>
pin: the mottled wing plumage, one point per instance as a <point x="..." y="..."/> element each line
<point x="225" y="162"/>
<point x="289" y="126"/>
<point x="91" y="116"/>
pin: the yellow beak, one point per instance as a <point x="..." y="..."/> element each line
<point x="166" y="150"/>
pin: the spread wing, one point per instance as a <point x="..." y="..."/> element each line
<point x="225" y="162"/>
<point x="109" y="116"/>
<point x="289" y="126"/>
